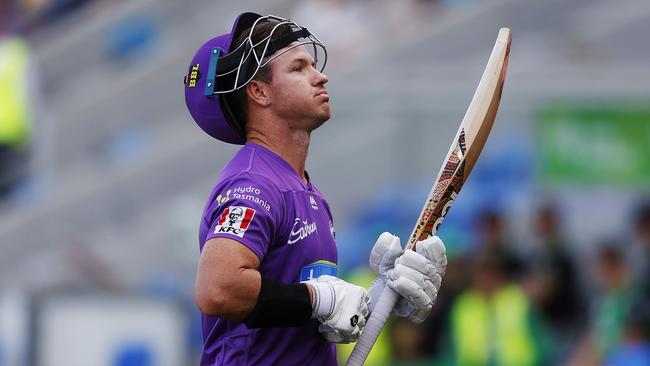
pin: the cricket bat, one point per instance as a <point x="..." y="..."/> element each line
<point x="464" y="151"/>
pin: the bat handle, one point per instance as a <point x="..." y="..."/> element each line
<point x="374" y="325"/>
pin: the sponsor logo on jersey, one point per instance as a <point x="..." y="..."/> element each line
<point x="249" y="189"/>
<point x="312" y="201"/>
<point x="300" y="230"/>
<point x="223" y="199"/>
<point x="235" y="220"/>
<point x="251" y="193"/>
<point x="317" y="269"/>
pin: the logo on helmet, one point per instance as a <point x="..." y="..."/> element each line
<point x="193" y="76"/>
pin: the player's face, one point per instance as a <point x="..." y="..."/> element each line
<point x="298" y="92"/>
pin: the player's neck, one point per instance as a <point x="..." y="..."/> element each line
<point x="291" y="145"/>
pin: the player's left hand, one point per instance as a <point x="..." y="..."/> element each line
<point x="415" y="275"/>
<point x="341" y="308"/>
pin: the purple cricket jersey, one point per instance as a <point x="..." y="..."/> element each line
<point x="261" y="201"/>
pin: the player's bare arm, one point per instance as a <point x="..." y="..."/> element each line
<point x="228" y="286"/>
<point x="227" y="280"/>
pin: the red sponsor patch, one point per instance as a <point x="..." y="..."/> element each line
<point x="235" y="220"/>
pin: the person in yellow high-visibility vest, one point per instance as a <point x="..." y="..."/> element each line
<point x="16" y="114"/>
<point x="493" y="323"/>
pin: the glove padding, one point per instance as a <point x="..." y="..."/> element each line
<point x="341" y="307"/>
<point x="415" y="276"/>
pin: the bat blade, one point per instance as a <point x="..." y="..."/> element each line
<point x="460" y="160"/>
<point x="468" y="142"/>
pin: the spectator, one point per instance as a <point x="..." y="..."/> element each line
<point x="640" y="252"/>
<point x="16" y="114"/>
<point x="494" y="242"/>
<point x="612" y="307"/>
<point x="493" y="322"/>
<point x="634" y="349"/>
<point x="640" y="262"/>
<point x="552" y="280"/>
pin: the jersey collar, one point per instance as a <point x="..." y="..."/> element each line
<point x="282" y="162"/>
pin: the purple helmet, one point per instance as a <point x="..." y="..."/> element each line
<point x="220" y="67"/>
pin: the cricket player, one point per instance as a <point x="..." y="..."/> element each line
<point x="266" y="281"/>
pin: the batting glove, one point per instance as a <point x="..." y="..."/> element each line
<point x="415" y="276"/>
<point x="341" y="307"/>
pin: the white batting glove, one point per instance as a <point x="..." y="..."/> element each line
<point x="386" y="250"/>
<point x="341" y="307"/>
<point x="416" y="276"/>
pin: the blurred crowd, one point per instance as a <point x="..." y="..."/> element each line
<point x="17" y="91"/>
<point x="547" y="305"/>
<point x="543" y="301"/>
<point x="22" y="86"/>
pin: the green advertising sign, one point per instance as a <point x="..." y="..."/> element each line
<point x="596" y="143"/>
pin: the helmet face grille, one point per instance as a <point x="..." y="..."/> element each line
<point x="242" y="64"/>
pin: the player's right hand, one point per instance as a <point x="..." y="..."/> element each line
<point x="415" y="276"/>
<point x="341" y="307"/>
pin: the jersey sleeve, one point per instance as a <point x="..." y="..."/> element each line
<point x="247" y="209"/>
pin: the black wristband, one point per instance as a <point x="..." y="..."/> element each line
<point x="280" y="305"/>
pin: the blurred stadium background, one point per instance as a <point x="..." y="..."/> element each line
<point x="104" y="174"/>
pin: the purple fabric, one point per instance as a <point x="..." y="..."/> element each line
<point x="208" y="111"/>
<point x="290" y="229"/>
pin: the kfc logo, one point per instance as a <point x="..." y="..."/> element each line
<point x="234" y="220"/>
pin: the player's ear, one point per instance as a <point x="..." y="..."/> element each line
<point x="258" y="93"/>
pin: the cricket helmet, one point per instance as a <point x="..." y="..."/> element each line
<point x="221" y="67"/>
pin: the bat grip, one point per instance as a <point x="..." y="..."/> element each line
<point x="374" y="325"/>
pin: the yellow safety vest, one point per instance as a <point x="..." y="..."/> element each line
<point x="15" y="116"/>
<point x="493" y="331"/>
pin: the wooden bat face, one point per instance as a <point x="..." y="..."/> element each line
<point x="468" y="143"/>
